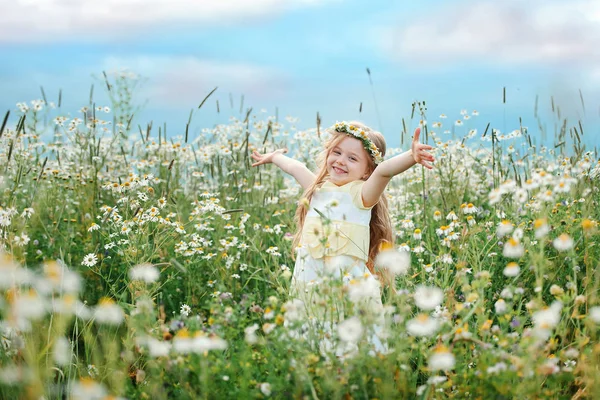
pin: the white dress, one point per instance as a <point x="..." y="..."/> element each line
<point x="336" y="301"/>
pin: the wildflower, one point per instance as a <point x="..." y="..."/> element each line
<point x="108" y="312"/>
<point x="447" y="259"/>
<point x="594" y="314"/>
<point x="62" y="351"/>
<point x="90" y="260"/>
<point x="452" y="216"/>
<point x="588" y="225"/>
<point x="470" y="209"/>
<point x="350" y="330"/>
<point x="504" y="228"/>
<point x="512" y="269"/>
<point x="182" y="343"/>
<point x="495" y="196"/>
<point x="521" y="196"/>
<point x="27" y="212"/>
<point x="442" y="359"/>
<point x="93" y="227"/>
<point x="363" y="289"/>
<point x="563" y="242"/>
<point x="513" y="249"/>
<point x="422" y="325"/>
<point x="157" y="348"/>
<point x="556" y="290"/>
<point x="250" y="334"/>
<point x="265" y="388"/>
<point x="294" y="310"/>
<point x="500" y="307"/>
<point x="396" y="262"/>
<point x="87" y="389"/>
<point x="273" y="251"/>
<point x="541" y="228"/>
<point x="417" y="234"/>
<point x="437" y="215"/>
<point x="268" y="328"/>
<point x="428" y="297"/>
<point x="29" y="305"/>
<point x="201" y="343"/>
<point x="545" y="320"/>
<point x="145" y="272"/>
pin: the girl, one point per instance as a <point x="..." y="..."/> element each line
<point x="343" y="220"/>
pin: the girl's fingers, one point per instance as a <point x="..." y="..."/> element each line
<point x="417" y="134"/>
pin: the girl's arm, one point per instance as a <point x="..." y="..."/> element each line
<point x="375" y="185"/>
<point x="288" y="165"/>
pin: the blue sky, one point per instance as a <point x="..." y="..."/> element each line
<point x="304" y="56"/>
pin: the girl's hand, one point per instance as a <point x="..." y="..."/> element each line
<point x="266" y="158"/>
<point x="419" y="151"/>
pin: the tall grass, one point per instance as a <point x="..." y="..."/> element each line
<point x="506" y="229"/>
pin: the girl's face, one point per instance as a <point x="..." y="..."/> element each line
<point x="347" y="162"/>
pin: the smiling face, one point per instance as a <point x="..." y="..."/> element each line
<point x="347" y="162"/>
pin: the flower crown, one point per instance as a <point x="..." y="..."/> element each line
<point x="362" y="136"/>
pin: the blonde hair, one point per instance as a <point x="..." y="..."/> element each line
<point x="380" y="227"/>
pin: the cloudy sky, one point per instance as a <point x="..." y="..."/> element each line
<point x="309" y="56"/>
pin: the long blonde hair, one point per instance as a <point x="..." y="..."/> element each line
<point x="380" y="225"/>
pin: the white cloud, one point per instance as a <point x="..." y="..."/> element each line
<point x="50" y="20"/>
<point x="502" y="32"/>
<point x="184" y="81"/>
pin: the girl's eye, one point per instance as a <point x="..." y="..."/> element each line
<point x="337" y="153"/>
<point x="352" y="158"/>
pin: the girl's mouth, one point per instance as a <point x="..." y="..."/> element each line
<point x="338" y="170"/>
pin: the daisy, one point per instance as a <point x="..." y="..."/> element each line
<point x="422" y="325"/>
<point x="350" y="330"/>
<point x="90" y="260"/>
<point x="265" y="388"/>
<point x="87" y="388"/>
<point x="504" y="228"/>
<point x="500" y="307"/>
<point x="470" y="209"/>
<point x="563" y="242"/>
<point x="513" y="249"/>
<point x="541" y="228"/>
<point x="145" y="272"/>
<point x="202" y="343"/>
<point x="442" y="359"/>
<point x="428" y="297"/>
<point x="397" y="262"/>
<point x="545" y="320"/>
<point x="512" y="269"/>
<point x="156" y="348"/>
<point x="108" y="312"/>
<point x="594" y="314"/>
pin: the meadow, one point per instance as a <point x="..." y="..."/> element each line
<point x="145" y="265"/>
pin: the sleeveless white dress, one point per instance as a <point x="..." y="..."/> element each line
<point x="336" y="301"/>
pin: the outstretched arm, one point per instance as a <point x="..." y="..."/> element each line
<point x="375" y="185"/>
<point x="288" y="165"/>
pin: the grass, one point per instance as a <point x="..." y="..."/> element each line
<point x="196" y="211"/>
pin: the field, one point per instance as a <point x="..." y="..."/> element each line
<point x="137" y="264"/>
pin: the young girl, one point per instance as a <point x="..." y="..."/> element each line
<point x="343" y="218"/>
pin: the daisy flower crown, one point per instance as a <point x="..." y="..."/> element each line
<point x="361" y="135"/>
